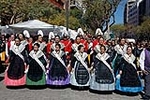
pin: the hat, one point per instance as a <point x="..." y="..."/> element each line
<point x="98" y="32"/>
<point x="80" y="31"/>
<point x="40" y="33"/>
<point x="65" y="33"/>
<point x="26" y="34"/>
<point x="51" y="35"/>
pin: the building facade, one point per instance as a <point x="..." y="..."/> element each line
<point x="134" y="11"/>
<point x="147" y="12"/>
<point x="128" y="6"/>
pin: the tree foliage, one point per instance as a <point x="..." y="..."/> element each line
<point x="141" y="31"/>
<point x="99" y="13"/>
<point x="118" y="29"/>
<point x="13" y="11"/>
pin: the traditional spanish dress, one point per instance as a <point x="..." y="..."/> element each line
<point x="14" y="75"/>
<point x="129" y="80"/>
<point x="120" y="50"/>
<point x="57" y="71"/>
<point x="102" y="77"/>
<point x="37" y="68"/>
<point x="80" y="76"/>
<point x="111" y="52"/>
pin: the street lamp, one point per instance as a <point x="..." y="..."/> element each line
<point x="67" y="8"/>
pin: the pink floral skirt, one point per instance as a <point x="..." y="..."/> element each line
<point x="14" y="82"/>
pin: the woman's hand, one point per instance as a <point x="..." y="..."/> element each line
<point x="145" y="72"/>
<point x="120" y="72"/>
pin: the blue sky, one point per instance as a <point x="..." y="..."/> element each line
<point x="120" y="12"/>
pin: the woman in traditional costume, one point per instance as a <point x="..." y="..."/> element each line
<point x="23" y="40"/>
<point x="120" y="50"/>
<point x="14" y="75"/>
<point x="40" y="41"/>
<point x="76" y="44"/>
<point x="36" y="67"/>
<point x="102" y="77"/>
<point x="97" y="47"/>
<point x="80" y="75"/>
<point x="57" y="71"/>
<point x="110" y="50"/>
<point x="127" y="78"/>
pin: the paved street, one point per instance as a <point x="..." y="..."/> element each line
<point x="56" y="94"/>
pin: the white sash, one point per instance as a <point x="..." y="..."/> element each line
<point x="24" y="42"/>
<point x="90" y="45"/>
<point x="36" y="56"/>
<point x="20" y="49"/>
<point x="75" y="46"/>
<point x="97" y="48"/>
<point x="58" y="57"/>
<point x="42" y="46"/>
<point x="103" y="58"/>
<point x="119" y="49"/>
<point x="81" y="59"/>
<point x="130" y="59"/>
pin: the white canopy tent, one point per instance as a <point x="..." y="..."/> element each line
<point x="32" y="24"/>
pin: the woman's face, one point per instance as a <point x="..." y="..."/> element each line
<point x="21" y="37"/>
<point x="57" y="48"/>
<point x="40" y="38"/>
<point x="122" y="41"/>
<point x="78" y="40"/>
<point x="82" y="49"/>
<point x="109" y="42"/>
<point x="89" y="40"/>
<point x="12" y="37"/>
<point x="17" y="42"/>
<point x="36" y="48"/>
<point x="101" y="41"/>
<point x="129" y="50"/>
<point x="57" y="39"/>
<point x="30" y="39"/>
<point x="102" y="50"/>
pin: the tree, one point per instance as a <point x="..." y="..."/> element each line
<point x="60" y="19"/>
<point x="99" y="13"/>
<point x="118" y="29"/>
<point x="144" y="28"/>
<point x="14" y="11"/>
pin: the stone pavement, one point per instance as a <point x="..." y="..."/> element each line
<point x="47" y="93"/>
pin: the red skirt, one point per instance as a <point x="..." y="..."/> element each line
<point x="14" y="82"/>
